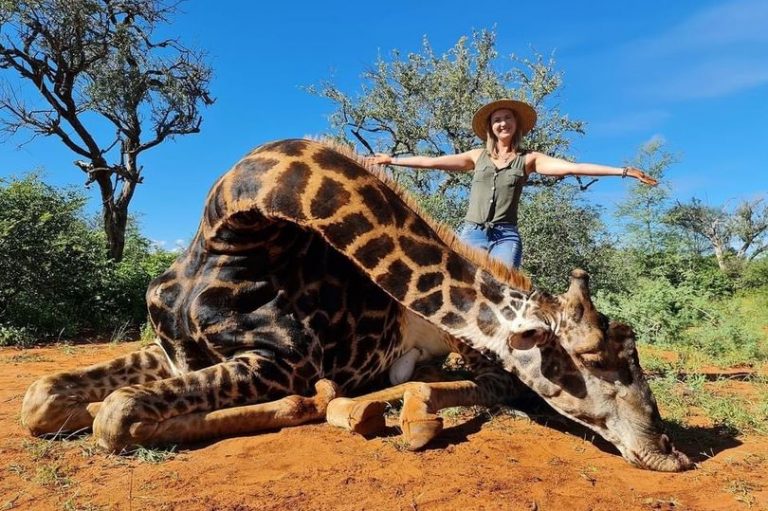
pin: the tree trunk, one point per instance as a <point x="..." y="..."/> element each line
<point x="114" y="211"/>
<point x="720" y="256"/>
<point x="115" y="221"/>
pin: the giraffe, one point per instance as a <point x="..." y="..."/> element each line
<point x="312" y="277"/>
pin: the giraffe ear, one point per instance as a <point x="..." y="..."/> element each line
<point x="530" y="338"/>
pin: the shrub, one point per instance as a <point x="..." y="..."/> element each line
<point x="55" y="277"/>
<point x="13" y="336"/>
<point x="755" y="274"/>
<point x="658" y="311"/>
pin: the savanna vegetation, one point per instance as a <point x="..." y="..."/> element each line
<point x="691" y="278"/>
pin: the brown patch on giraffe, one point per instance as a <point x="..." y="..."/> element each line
<point x="490" y="290"/>
<point x="396" y="279"/>
<point x="293" y="147"/>
<point x="509" y="313"/>
<point x="246" y="178"/>
<point x="463" y="298"/>
<point x="375" y="203"/>
<point x="423" y="254"/>
<point x="429" y="281"/>
<point x="286" y="192"/>
<point x="330" y="197"/>
<point x="374" y="251"/>
<point x="453" y="320"/>
<point x="428" y="305"/>
<point x="457" y="270"/>
<point x="347" y="230"/>
<point x="334" y="161"/>
<point x="215" y="205"/>
<point x="487" y="321"/>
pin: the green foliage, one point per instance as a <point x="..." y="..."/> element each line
<point x="55" y="277"/>
<point x="657" y="310"/>
<point x="423" y="103"/>
<point x="15" y="336"/>
<point x="694" y="317"/>
<point x="755" y="274"/>
<point x="561" y="232"/>
<point x="735" y="236"/>
<point x="95" y="64"/>
<point x="644" y="209"/>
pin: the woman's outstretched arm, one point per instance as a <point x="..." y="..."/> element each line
<point x="550" y="166"/>
<point x="462" y="162"/>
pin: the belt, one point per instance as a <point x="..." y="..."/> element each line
<point x="487" y="226"/>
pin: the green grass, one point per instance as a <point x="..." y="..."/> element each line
<point x="154" y="455"/>
<point x="52" y="475"/>
<point x="39" y="449"/>
<point x="735" y="333"/>
<point x="27" y="357"/>
<point x="682" y="397"/>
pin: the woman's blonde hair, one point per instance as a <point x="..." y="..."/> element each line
<point x="490" y="138"/>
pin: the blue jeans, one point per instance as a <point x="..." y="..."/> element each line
<point x="502" y="241"/>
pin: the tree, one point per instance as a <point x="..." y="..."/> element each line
<point x="86" y="57"/>
<point x="561" y="232"/>
<point x="736" y="236"/>
<point x="423" y="104"/>
<point x="55" y="277"/>
<point x="645" y="208"/>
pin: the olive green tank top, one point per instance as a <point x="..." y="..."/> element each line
<point x="495" y="193"/>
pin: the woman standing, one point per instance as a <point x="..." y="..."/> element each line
<point x="500" y="171"/>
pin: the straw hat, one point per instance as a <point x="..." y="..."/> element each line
<point x="525" y="114"/>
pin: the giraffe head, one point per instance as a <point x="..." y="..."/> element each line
<point x="587" y="368"/>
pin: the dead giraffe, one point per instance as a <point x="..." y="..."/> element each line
<point x="310" y="276"/>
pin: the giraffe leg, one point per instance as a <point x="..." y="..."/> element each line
<point x="364" y="415"/>
<point x="206" y="404"/>
<point x="421" y="402"/>
<point x="68" y="401"/>
<point x="418" y="419"/>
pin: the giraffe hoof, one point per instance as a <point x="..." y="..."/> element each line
<point x="362" y="417"/>
<point x="419" y="432"/>
<point x="325" y="392"/>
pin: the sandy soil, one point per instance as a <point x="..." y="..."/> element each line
<point x="482" y="461"/>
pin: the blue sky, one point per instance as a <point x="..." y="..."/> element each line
<point x="692" y="72"/>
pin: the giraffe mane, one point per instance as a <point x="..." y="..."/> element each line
<point x="498" y="269"/>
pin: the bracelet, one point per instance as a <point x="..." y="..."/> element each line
<point x="624" y="172"/>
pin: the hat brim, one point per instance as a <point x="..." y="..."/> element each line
<point x="524" y="113"/>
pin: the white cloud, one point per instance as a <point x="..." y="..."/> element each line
<point x="717" y="51"/>
<point x="738" y="23"/>
<point x="629" y="123"/>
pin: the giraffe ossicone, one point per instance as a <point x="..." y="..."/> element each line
<point x="310" y="276"/>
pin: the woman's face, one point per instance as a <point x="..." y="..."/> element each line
<point x="503" y="124"/>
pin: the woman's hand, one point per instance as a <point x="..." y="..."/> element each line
<point x="380" y="159"/>
<point x="642" y="176"/>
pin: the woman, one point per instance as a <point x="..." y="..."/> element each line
<point x="500" y="171"/>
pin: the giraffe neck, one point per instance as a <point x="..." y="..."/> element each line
<point x="323" y="191"/>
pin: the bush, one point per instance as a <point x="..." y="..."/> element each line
<point x="55" y="277"/>
<point x="12" y="336"/>
<point x="658" y="311"/>
<point x="560" y="232"/>
<point x="724" y="332"/>
<point x="755" y="274"/>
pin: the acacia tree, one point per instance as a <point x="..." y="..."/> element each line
<point x="735" y="236"/>
<point x="645" y="207"/>
<point x="423" y="103"/>
<point x="86" y="57"/>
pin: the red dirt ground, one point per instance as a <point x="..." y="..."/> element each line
<point x="480" y="462"/>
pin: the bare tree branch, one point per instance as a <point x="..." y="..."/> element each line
<point x="85" y="57"/>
